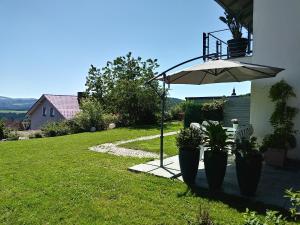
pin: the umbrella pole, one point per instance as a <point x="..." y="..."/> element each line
<point x="163" y="99"/>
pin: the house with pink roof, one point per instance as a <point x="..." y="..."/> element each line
<point x="51" y="108"/>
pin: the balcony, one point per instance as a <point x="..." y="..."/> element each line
<point x="216" y="48"/>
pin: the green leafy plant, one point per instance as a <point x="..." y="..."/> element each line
<point x="215" y="137"/>
<point x="213" y="110"/>
<point x="203" y="218"/>
<point x="2" y="129"/>
<point x="199" y="112"/>
<point x="53" y="129"/>
<point x="281" y="119"/>
<point x="294" y="197"/>
<point x="110" y="118"/>
<point x="271" y="218"/>
<point x="189" y="139"/>
<point x="233" y="23"/>
<point x="91" y="115"/>
<point x="247" y="148"/>
<point x="193" y="113"/>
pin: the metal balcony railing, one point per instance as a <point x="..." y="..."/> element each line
<point x="216" y="48"/>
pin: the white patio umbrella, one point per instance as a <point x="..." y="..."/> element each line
<point x="221" y="71"/>
<point x="214" y="71"/>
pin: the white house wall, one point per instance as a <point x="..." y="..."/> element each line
<point x="276" y="34"/>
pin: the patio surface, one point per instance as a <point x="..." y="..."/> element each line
<point x="270" y="190"/>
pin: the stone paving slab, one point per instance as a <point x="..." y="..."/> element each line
<point x="270" y="190"/>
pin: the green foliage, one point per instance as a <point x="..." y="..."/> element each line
<point x="215" y="137"/>
<point x="91" y="115"/>
<point x="271" y="218"/>
<point x="203" y="218"/>
<point x="233" y="23"/>
<point x="12" y="135"/>
<point x="2" y="129"/>
<point x="282" y="118"/>
<point x="120" y="88"/>
<point x="247" y="148"/>
<point x="193" y="113"/>
<point x="110" y="118"/>
<point x="36" y="135"/>
<point x="197" y="112"/>
<point x="53" y="129"/>
<point x="294" y="197"/>
<point x="177" y="111"/>
<point x="189" y="139"/>
<point x="213" y="110"/>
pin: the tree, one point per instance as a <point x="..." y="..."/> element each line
<point x="120" y="88"/>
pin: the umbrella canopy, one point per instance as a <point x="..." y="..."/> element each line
<point x="221" y="71"/>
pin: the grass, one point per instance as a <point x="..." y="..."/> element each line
<point x="58" y="181"/>
<point x="154" y="145"/>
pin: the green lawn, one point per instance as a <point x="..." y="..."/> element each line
<point x="154" y="145"/>
<point x="58" y="181"/>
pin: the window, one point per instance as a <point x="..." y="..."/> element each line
<point x="44" y="111"/>
<point x="52" y="112"/>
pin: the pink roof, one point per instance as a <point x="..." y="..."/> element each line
<point x="66" y="105"/>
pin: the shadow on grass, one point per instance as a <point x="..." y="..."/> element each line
<point x="238" y="203"/>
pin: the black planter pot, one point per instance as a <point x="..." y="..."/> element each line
<point x="215" y="167"/>
<point x="248" y="171"/>
<point x="189" y="161"/>
<point x="237" y="47"/>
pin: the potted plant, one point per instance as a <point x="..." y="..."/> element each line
<point x="283" y="138"/>
<point x="215" y="157"/>
<point x="238" y="45"/>
<point x="188" y="142"/>
<point x="248" y="161"/>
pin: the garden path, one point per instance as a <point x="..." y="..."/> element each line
<point x="114" y="149"/>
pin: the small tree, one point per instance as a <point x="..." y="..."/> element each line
<point x="120" y="88"/>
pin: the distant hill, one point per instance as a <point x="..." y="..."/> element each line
<point x="22" y="104"/>
<point x="171" y="102"/>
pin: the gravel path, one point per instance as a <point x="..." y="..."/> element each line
<point x="114" y="149"/>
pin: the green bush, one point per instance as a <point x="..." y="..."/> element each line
<point x="213" y="110"/>
<point x="12" y="135"/>
<point x="36" y="135"/>
<point x="2" y="129"/>
<point x="110" y="118"/>
<point x="197" y="112"/>
<point x="193" y="113"/>
<point x="189" y="139"/>
<point x="177" y="111"/>
<point x="91" y="115"/>
<point x="53" y="129"/>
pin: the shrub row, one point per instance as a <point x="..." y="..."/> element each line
<point x="91" y="117"/>
<point x="197" y="112"/>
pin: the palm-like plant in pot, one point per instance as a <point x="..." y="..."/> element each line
<point x="238" y="45"/>
<point x="188" y="142"/>
<point x="215" y="157"/>
<point x="248" y="161"/>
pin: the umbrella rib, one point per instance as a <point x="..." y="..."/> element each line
<point x="269" y="75"/>
<point x="181" y="76"/>
<point x="254" y="64"/>
<point x="203" y="78"/>
<point x="234" y="77"/>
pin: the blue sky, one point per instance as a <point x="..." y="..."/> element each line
<point x="47" y="46"/>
